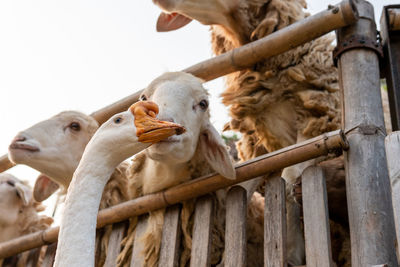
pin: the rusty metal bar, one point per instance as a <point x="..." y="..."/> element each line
<point x="276" y="160"/>
<point x="345" y="13"/>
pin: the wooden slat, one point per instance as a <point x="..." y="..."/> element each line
<point x="137" y="255"/>
<point x="114" y="244"/>
<point x="275" y="223"/>
<point x="170" y="242"/>
<point x="49" y="256"/>
<point x="392" y="143"/>
<point x="201" y="242"/>
<point x="33" y="257"/>
<point x="316" y="218"/>
<point x="235" y="229"/>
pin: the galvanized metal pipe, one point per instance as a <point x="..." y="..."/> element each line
<point x="274" y="161"/>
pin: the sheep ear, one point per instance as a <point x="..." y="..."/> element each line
<point x="24" y="193"/>
<point x="170" y="22"/>
<point x="44" y="187"/>
<point x="215" y="151"/>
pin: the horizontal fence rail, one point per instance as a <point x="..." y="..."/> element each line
<point x="343" y="14"/>
<point x="274" y="161"/>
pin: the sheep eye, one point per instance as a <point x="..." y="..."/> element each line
<point x="118" y="120"/>
<point x="75" y="126"/>
<point x="143" y="98"/>
<point x="203" y="104"/>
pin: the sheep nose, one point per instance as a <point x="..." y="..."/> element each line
<point x="19" y="138"/>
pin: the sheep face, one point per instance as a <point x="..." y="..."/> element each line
<point x="54" y="146"/>
<point x="178" y="13"/>
<point x="182" y="99"/>
<point x="184" y="102"/>
<point x="13" y="196"/>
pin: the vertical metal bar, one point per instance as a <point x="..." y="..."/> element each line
<point x="371" y="219"/>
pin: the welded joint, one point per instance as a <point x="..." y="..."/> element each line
<point x="366" y="129"/>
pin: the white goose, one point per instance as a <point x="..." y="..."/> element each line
<point x="122" y="136"/>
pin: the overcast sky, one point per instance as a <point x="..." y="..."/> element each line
<point x="85" y="54"/>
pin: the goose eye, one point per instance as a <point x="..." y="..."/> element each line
<point x="118" y="120"/>
<point x="203" y="104"/>
<point x="143" y="98"/>
<point x="75" y="126"/>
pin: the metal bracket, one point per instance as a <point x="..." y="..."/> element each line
<point x="357" y="41"/>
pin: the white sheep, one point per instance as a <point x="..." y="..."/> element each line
<point x="55" y="147"/>
<point x="18" y="210"/>
<point x="122" y="136"/>
<point x="278" y="102"/>
<point x="199" y="151"/>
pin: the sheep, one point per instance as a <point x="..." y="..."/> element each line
<point x="54" y="147"/>
<point x="278" y="102"/>
<point x="197" y="152"/>
<point x="122" y="136"/>
<point x="19" y="211"/>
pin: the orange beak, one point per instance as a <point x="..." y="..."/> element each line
<point x="148" y="128"/>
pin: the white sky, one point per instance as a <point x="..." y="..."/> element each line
<point x="86" y="54"/>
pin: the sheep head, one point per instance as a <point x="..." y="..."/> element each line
<point x="15" y="196"/>
<point x="182" y="99"/>
<point x="54" y="146"/>
<point x="224" y="13"/>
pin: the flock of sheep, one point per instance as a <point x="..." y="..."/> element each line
<point x="278" y="102"/>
